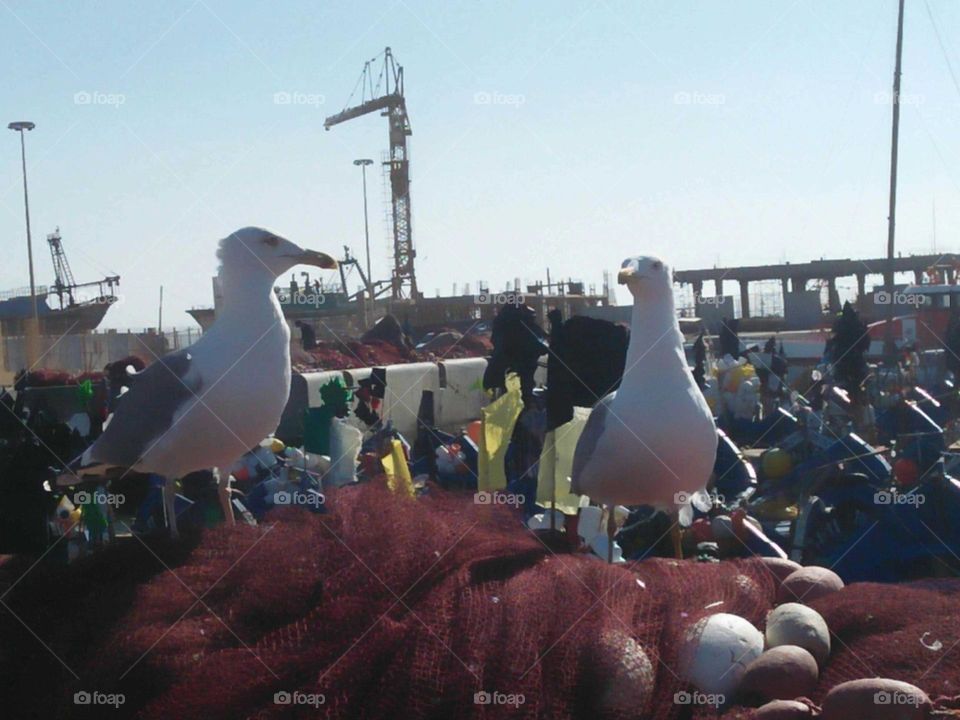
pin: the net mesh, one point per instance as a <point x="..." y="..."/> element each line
<point x="390" y="607"/>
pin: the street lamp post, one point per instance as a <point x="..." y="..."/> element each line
<point x="20" y="127"/>
<point x="363" y="162"/>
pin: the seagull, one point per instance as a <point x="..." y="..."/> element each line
<point x="205" y="406"/>
<point x="653" y="441"/>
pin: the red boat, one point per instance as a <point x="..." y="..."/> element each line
<point x="921" y="314"/>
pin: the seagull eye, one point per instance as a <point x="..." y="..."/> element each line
<point x="271" y="241"/>
<point x="657" y="265"/>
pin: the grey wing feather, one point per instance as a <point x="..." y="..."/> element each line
<point x="589" y="438"/>
<point x="146" y="410"/>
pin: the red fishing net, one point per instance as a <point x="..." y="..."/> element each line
<point x="343" y="355"/>
<point x="395" y="608"/>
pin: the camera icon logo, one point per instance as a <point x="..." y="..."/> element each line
<point x="882" y="297"/>
<point x="883" y="498"/>
<point x="82" y="697"/>
<point x="281" y="498"/>
<point x="282" y="698"/>
<point x="482" y="698"/>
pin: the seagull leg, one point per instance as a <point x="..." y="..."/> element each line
<point x="223" y="491"/>
<point x="677" y="537"/>
<point x="169" y="505"/>
<point x="611" y="531"/>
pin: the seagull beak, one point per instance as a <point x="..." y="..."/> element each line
<point x="625" y="275"/>
<point x="319" y="259"/>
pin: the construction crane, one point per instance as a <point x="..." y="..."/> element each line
<point x="386" y="95"/>
<point x="65" y="285"/>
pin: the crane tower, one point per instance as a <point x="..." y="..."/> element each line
<point x="386" y="95"/>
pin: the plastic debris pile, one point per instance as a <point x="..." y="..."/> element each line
<point x="734" y="389"/>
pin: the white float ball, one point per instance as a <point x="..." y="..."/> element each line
<point x="716" y="651"/>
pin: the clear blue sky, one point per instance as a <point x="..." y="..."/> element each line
<point x="781" y="152"/>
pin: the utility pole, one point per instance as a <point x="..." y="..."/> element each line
<point x="363" y="163"/>
<point x="32" y="335"/>
<point x="889" y="349"/>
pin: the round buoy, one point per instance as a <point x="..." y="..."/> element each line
<point x="781" y="568"/>
<point x="809" y="584"/>
<point x="628" y="673"/>
<point x="781" y="673"/>
<point x="906" y="472"/>
<point x="716" y="652"/>
<point x="877" y="699"/>
<point x="783" y="710"/>
<point x="776" y="463"/>
<point x="473" y="431"/>
<point x="796" y="624"/>
<point x="701" y="530"/>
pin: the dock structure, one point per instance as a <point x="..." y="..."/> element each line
<point x="794" y="277"/>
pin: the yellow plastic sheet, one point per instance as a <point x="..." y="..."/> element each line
<point x="397" y="470"/>
<point x="556" y="464"/>
<point x="498" y="419"/>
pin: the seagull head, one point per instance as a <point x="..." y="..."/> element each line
<point x="263" y="250"/>
<point x="645" y="276"/>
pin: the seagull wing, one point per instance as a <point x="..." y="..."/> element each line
<point x="588" y="440"/>
<point x="146" y="411"/>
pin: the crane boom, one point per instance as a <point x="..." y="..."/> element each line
<point x="393" y="106"/>
<point x="370" y="106"/>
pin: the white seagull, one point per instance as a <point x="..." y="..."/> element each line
<point x="207" y="405"/>
<point x="653" y="441"/>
